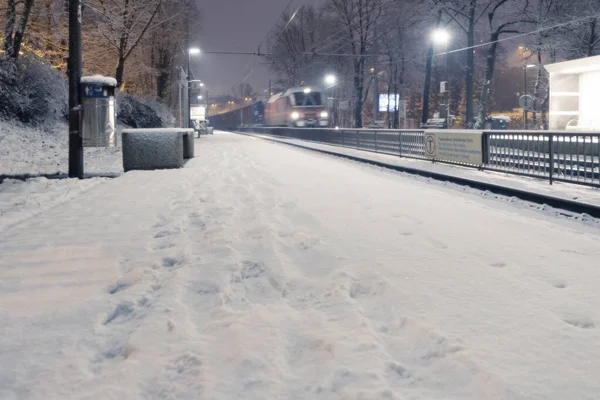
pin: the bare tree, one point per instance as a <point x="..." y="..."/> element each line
<point x="123" y="24"/>
<point x="293" y="44"/>
<point x="510" y="20"/>
<point x="359" y="18"/>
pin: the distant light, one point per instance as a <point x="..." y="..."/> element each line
<point x="307" y="90"/>
<point x="531" y="65"/>
<point x="337" y="127"/>
<point x="194" y="50"/>
<point x="330" y="79"/>
<point x="371" y="69"/>
<point x="200" y="97"/>
<point x="295" y="115"/>
<point x="440" y="36"/>
<point x="324" y="114"/>
<point x="201" y="84"/>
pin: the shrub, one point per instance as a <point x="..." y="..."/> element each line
<point x="31" y="90"/>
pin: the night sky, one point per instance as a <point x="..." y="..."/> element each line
<point x="236" y="25"/>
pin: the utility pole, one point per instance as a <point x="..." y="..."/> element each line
<point x="448" y="120"/>
<point x="74" y="71"/>
<point x="189" y="91"/>
<point x="207" y="104"/>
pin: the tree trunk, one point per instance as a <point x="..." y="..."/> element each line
<point x="120" y="71"/>
<point x="487" y="81"/>
<point x="536" y="90"/>
<point x="591" y="39"/>
<point x="470" y="65"/>
<point x="544" y="109"/>
<point x="358" y="87"/>
<point x="11" y="14"/>
<point x="20" y="32"/>
<point x="427" y="87"/>
<point x="389" y="92"/>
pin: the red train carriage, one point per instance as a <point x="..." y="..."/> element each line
<point x="297" y="107"/>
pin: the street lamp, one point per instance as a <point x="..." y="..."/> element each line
<point x="330" y="79"/>
<point x="442" y="37"/>
<point x="191" y="51"/>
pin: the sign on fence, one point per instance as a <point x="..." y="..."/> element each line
<point x="457" y="146"/>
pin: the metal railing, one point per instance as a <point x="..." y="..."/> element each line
<point x="558" y="156"/>
<point x="552" y="155"/>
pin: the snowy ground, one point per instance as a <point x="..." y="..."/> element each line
<point x="261" y="271"/>
<point x="28" y="151"/>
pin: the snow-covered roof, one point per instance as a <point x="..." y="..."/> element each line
<point x="578" y="66"/>
<point x="100" y="80"/>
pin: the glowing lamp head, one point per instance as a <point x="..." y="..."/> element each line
<point x="440" y="36"/>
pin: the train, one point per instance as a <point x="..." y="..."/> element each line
<point x="297" y="107"/>
<point x="301" y="107"/>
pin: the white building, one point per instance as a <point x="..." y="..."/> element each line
<point x="575" y="94"/>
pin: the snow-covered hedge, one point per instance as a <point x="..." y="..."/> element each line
<point x="138" y="112"/>
<point x="31" y="91"/>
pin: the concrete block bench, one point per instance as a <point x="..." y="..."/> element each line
<point x="157" y="148"/>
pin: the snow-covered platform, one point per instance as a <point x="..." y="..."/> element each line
<point x="559" y="190"/>
<point x="262" y="271"/>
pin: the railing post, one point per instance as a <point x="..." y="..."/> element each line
<point x="357" y="140"/>
<point x="399" y="144"/>
<point x="550" y="145"/>
<point x="376" y="146"/>
<point x="343" y="139"/>
<point x="486" y="148"/>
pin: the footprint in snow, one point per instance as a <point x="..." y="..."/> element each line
<point x="252" y="269"/>
<point x="581" y="322"/>
<point x="164" y="234"/>
<point x="117" y="287"/>
<point x="121" y="312"/>
<point x="171" y="262"/>
<point x="560" y="284"/>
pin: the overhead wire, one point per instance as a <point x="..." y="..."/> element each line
<point x="289" y="4"/>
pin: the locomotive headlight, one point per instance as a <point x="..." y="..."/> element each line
<point x="324" y="114"/>
<point x="295" y="115"/>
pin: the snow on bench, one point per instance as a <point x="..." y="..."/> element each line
<point x="156" y="148"/>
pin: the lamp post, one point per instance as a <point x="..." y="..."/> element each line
<point x="190" y="52"/>
<point x="442" y="37"/>
<point x="330" y="81"/>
